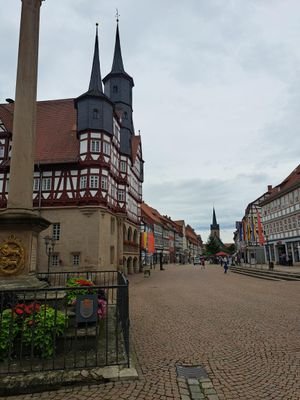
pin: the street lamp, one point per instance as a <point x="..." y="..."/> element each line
<point x="271" y="264"/>
<point x="50" y="244"/>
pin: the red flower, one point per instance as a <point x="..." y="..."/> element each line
<point x="84" y="282"/>
<point x="18" y="311"/>
<point x="29" y="309"/>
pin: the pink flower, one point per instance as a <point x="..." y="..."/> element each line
<point x="102" y="308"/>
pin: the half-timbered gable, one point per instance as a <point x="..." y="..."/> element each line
<point x="88" y="173"/>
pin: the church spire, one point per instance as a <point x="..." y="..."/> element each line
<point x="214" y="221"/>
<point x="117" y="65"/>
<point x="95" y="86"/>
<point x="215" y="228"/>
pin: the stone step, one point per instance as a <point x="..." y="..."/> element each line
<point x="276" y="275"/>
<point x="268" y="278"/>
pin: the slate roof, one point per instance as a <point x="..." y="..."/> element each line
<point x="117" y="68"/>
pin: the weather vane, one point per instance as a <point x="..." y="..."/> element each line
<point x="117" y="15"/>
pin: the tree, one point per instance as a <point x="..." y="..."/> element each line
<point x="231" y="248"/>
<point x="213" y="245"/>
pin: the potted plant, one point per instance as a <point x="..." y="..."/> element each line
<point x="87" y="287"/>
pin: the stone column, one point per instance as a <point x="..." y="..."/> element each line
<point x="24" y="123"/>
<point x="19" y="225"/>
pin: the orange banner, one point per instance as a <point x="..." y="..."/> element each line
<point x="151" y="245"/>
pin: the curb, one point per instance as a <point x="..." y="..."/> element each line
<point x="53" y="380"/>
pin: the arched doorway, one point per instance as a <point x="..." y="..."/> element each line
<point x="135" y="265"/>
<point x="129" y="266"/>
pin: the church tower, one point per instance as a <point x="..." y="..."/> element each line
<point x="118" y="87"/>
<point x="94" y="108"/>
<point x="214" y="227"/>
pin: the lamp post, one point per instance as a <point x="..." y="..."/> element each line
<point x="49" y="244"/>
<point x="271" y="264"/>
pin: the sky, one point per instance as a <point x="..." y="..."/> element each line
<point x="216" y="96"/>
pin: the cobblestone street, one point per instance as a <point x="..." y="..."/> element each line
<point x="244" y="331"/>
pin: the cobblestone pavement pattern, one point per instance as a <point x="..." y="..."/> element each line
<point x="243" y="331"/>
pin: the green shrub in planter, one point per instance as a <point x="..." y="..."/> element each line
<point x="41" y="329"/>
<point x="8" y="331"/>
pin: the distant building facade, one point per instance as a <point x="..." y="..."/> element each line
<point x="162" y="237"/>
<point x="272" y="224"/>
<point x="281" y="220"/>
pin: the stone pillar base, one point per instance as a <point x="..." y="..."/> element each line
<point x="21" y="282"/>
<point x="19" y="229"/>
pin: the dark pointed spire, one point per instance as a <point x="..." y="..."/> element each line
<point x="214" y="221"/>
<point x="95" y="81"/>
<point x="117" y="65"/>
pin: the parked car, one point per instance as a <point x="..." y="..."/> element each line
<point x="197" y="260"/>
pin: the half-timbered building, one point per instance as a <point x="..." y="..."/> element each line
<point x="88" y="172"/>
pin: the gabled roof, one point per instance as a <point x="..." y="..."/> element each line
<point x="151" y="213"/>
<point x="288" y="184"/>
<point x="6" y="115"/>
<point x="56" y="130"/>
<point x="191" y="234"/>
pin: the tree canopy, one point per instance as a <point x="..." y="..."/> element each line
<point x="213" y="245"/>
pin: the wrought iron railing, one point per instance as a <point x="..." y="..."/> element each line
<point x="61" y="327"/>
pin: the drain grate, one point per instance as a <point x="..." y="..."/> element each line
<point x="191" y="372"/>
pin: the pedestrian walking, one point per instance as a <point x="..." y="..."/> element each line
<point x="225" y="266"/>
<point x="202" y="263"/>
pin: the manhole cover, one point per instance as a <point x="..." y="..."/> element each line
<point x="191" y="372"/>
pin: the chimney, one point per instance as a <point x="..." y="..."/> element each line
<point x="270" y="188"/>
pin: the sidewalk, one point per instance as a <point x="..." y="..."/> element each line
<point x="279" y="268"/>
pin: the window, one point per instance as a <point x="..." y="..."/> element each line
<point x="104" y="182"/>
<point x="54" y="260"/>
<point x="125" y="115"/>
<point x="106" y="148"/>
<point x="94" y="182"/>
<point x="95" y="146"/>
<point x="112" y="225"/>
<point x="112" y="254"/>
<point x="83" y="182"/>
<point x="36" y="184"/>
<point x="76" y="259"/>
<point x="1" y="151"/>
<point x="123" y="166"/>
<point x="95" y="113"/>
<point x="56" y="231"/>
<point x="115" y="89"/>
<point x="121" y="195"/>
<point x="46" y="184"/>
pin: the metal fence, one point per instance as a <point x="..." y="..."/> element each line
<point x="65" y="326"/>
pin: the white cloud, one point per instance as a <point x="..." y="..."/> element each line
<point x="216" y="98"/>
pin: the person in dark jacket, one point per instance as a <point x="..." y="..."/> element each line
<point x="225" y="266"/>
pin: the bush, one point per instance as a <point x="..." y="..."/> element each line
<point x="8" y="332"/>
<point x="42" y="328"/>
<point x="33" y="327"/>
